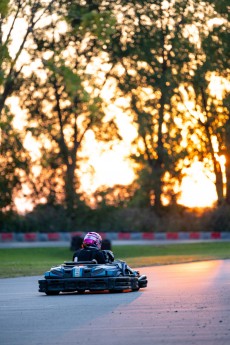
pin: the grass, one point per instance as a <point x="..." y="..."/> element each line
<point x="35" y="261"/>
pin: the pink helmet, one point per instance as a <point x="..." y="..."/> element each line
<point x="92" y="239"/>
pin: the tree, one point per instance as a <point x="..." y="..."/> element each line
<point x="14" y="160"/>
<point x="210" y="109"/>
<point x="65" y="103"/>
<point x="11" y="65"/>
<point x="159" y="52"/>
<point x="152" y="54"/>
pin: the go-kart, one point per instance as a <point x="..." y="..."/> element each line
<point x="88" y="275"/>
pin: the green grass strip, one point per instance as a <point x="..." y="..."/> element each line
<point x="35" y="261"/>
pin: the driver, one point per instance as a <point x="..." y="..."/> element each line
<point x="91" y="249"/>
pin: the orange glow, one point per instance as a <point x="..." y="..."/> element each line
<point x="193" y="274"/>
<point x="197" y="188"/>
<point x="105" y="167"/>
<point x="200" y="268"/>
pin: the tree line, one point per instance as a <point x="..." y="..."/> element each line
<point x="57" y="58"/>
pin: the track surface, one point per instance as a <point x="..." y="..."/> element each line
<point x="183" y="304"/>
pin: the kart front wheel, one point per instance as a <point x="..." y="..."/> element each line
<point x="136" y="289"/>
<point x="115" y="291"/>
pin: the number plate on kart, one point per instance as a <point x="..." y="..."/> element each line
<point x="77" y="272"/>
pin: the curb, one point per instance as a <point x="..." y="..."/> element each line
<point x="66" y="236"/>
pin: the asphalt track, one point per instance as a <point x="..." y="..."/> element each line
<point x="183" y="304"/>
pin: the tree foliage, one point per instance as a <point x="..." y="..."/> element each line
<point x="161" y="48"/>
<point x="65" y="103"/>
<point x="13" y="158"/>
<point x="154" y="54"/>
<point x="210" y="110"/>
<point x="162" y="56"/>
<point x="14" y="162"/>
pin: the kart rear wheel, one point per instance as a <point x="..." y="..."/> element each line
<point x="52" y="293"/>
<point x="81" y="291"/>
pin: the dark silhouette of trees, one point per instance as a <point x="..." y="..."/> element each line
<point x="210" y="111"/>
<point x="14" y="160"/>
<point x="63" y="98"/>
<point x="154" y="56"/>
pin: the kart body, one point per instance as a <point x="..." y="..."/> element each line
<point x="88" y="275"/>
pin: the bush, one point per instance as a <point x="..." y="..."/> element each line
<point x="52" y="218"/>
<point x="219" y="219"/>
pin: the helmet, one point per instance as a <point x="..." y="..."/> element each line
<point x="92" y="239"/>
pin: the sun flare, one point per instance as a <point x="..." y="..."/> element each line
<point x="197" y="188"/>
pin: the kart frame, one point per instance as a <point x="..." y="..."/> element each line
<point x="53" y="285"/>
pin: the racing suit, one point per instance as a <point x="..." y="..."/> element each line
<point x="91" y="253"/>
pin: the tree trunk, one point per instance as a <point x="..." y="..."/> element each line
<point x="159" y="163"/>
<point x="228" y="180"/>
<point x="227" y="164"/>
<point x="70" y="192"/>
<point x="219" y="184"/>
<point x="158" y="174"/>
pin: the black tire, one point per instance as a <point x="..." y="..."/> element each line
<point x="52" y="293"/>
<point x="115" y="291"/>
<point x="136" y="289"/>
<point x="76" y="243"/>
<point x="106" y="244"/>
<point x="81" y="292"/>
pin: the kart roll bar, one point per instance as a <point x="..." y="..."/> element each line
<point x="73" y="263"/>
